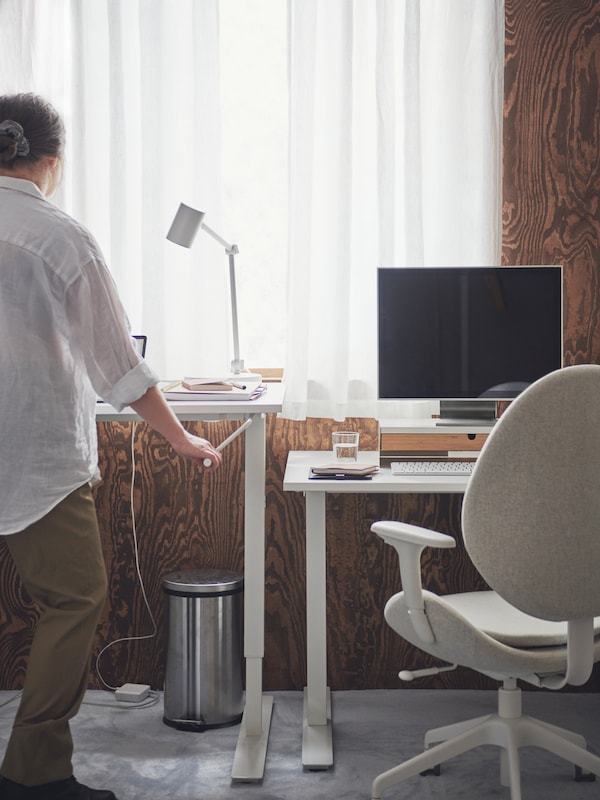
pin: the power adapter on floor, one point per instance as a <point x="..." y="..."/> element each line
<point x="132" y="692"/>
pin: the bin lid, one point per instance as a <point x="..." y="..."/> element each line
<point x="203" y="581"/>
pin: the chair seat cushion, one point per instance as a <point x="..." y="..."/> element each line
<point x="505" y="643"/>
<point x="493" y="615"/>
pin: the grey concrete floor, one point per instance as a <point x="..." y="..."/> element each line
<point x="132" y="751"/>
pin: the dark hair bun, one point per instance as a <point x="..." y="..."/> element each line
<point x="8" y="148"/>
<point x="30" y="128"/>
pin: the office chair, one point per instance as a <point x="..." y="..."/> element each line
<point x="531" y="526"/>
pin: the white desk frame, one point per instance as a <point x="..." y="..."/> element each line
<point x="317" y="733"/>
<point x="251" y="751"/>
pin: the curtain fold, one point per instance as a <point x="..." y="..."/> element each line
<point x="144" y="148"/>
<point x="16" y="53"/>
<point x="395" y="148"/>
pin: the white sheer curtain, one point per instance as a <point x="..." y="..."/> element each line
<point x="392" y="146"/>
<point x="138" y="85"/>
<point x="395" y="158"/>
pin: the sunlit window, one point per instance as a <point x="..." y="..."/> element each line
<point x="254" y="97"/>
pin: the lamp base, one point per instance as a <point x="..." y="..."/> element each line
<point x="244" y="377"/>
<point x="240" y="374"/>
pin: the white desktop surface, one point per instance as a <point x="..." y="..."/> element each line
<point x="250" y="754"/>
<point x="269" y="402"/>
<point x="317" y="736"/>
<point x="296" y="478"/>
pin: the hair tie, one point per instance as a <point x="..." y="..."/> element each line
<point x="15" y="131"/>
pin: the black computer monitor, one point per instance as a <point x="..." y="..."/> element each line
<point x="467" y="336"/>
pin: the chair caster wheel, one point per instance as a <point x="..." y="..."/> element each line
<point x="582" y="777"/>
<point x="437" y="770"/>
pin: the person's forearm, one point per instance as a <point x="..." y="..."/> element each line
<point x="154" y="409"/>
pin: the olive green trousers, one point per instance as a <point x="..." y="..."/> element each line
<point x="59" y="560"/>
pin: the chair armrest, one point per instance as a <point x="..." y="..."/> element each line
<point x="409" y="541"/>
<point x="392" y="531"/>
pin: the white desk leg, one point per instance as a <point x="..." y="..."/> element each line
<point x="317" y="738"/>
<point x="251" y="751"/>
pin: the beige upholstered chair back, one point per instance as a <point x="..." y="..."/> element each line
<point x="531" y="513"/>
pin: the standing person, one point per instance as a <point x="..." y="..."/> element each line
<point x="64" y="340"/>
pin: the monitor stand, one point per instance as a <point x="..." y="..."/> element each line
<point x="479" y="413"/>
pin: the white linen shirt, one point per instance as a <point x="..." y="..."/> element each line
<point x="64" y="340"/>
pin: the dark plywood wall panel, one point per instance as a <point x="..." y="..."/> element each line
<point x="552" y="154"/>
<point x="189" y="520"/>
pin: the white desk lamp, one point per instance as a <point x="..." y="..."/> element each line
<point x="183" y="231"/>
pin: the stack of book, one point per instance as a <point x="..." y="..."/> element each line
<point x="339" y="471"/>
<point x="212" y="389"/>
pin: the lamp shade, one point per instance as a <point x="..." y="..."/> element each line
<point x="185" y="225"/>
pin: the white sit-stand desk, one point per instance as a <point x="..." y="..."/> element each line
<point x="250" y="754"/>
<point x="317" y="746"/>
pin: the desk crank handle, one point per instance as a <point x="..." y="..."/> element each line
<point x="207" y="461"/>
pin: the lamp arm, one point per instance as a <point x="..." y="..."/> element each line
<point x="237" y="365"/>
<point x="229" y="248"/>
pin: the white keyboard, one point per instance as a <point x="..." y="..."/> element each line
<point x="432" y="467"/>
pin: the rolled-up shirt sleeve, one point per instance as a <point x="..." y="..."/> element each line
<point x="100" y="333"/>
<point x="132" y="386"/>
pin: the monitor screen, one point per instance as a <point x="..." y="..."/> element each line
<point x="467" y="333"/>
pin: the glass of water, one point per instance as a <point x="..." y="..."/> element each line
<point x="345" y="446"/>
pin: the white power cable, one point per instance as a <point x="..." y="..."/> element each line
<point x="139" y="575"/>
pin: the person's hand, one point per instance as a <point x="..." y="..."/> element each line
<point x="152" y="407"/>
<point x="197" y="449"/>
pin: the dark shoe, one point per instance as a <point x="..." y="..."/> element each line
<point x="68" y="789"/>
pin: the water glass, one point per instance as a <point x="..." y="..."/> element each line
<point x="345" y="446"/>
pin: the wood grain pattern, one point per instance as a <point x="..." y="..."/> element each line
<point x="551" y="209"/>
<point x="18" y="616"/>
<point x="551" y="164"/>
<point x="188" y="520"/>
<point x="184" y="520"/>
